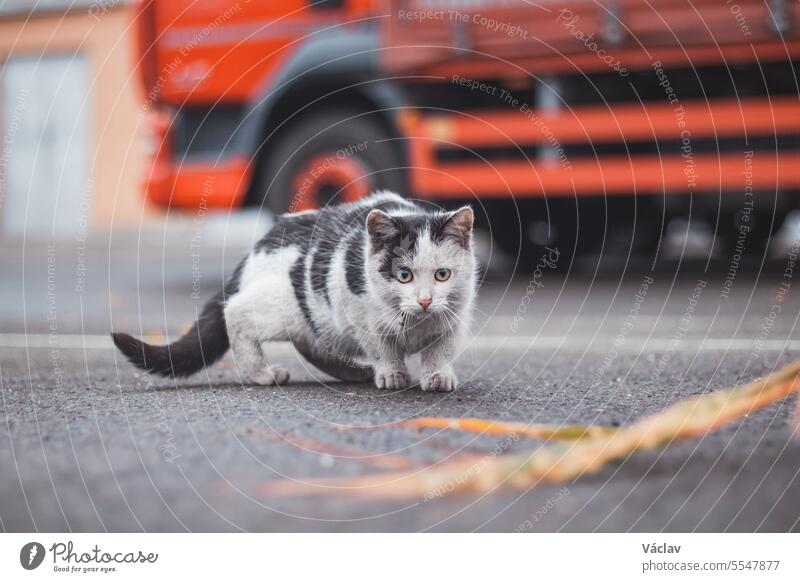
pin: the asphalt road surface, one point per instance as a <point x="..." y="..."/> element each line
<point x="89" y="444"/>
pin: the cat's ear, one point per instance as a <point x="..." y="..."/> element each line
<point x="381" y="228"/>
<point x="459" y="226"/>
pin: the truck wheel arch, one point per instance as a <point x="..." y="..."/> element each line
<point x="342" y="66"/>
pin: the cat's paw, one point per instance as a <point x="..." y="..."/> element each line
<point x="271" y="376"/>
<point x="392" y="379"/>
<point x="441" y="381"/>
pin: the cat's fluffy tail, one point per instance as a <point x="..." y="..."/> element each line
<point x="202" y="345"/>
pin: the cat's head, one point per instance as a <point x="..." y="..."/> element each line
<point x="421" y="263"/>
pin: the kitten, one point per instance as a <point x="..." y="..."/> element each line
<point x="356" y="288"/>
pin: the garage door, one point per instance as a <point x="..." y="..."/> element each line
<point x="46" y="147"/>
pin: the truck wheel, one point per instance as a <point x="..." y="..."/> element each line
<point x="747" y="229"/>
<point x="525" y="229"/>
<point x="749" y="235"/>
<point x="329" y="157"/>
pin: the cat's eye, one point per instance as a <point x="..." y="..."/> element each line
<point x="442" y="274"/>
<point x="404" y="275"/>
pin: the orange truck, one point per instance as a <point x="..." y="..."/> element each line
<point x="564" y="122"/>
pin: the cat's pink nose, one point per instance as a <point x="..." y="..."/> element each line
<point x="424" y="303"/>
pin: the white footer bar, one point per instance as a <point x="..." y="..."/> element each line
<point x="399" y="557"/>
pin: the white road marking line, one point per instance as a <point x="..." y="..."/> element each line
<point x="483" y="342"/>
<point x="633" y="344"/>
<point x="66" y="341"/>
<point x="614" y="318"/>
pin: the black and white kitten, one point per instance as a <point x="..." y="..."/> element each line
<point x="356" y="288"/>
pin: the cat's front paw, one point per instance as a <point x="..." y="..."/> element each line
<point x="440" y="381"/>
<point x="392" y="379"/>
<point x="271" y="376"/>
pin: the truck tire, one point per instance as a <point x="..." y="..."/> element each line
<point x="327" y="158"/>
<point x="749" y="230"/>
<point x="523" y="230"/>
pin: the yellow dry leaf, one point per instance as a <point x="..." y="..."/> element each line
<point x="590" y="448"/>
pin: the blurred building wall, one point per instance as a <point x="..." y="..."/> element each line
<point x="98" y="37"/>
